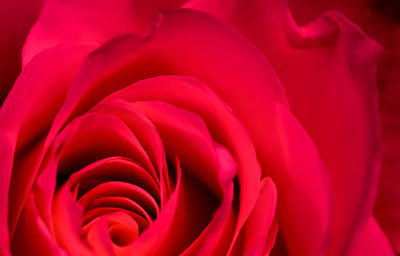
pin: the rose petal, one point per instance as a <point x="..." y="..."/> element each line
<point x="186" y="218"/>
<point x="31" y="236"/>
<point x="148" y="136"/>
<point x="260" y="230"/>
<point x="94" y="214"/>
<point x="387" y="207"/>
<point x="123" y="189"/>
<point x="87" y="20"/>
<point x="16" y="19"/>
<point x="167" y="52"/>
<point x="22" y="125"/>
<point x="67" y="217"/>
<point x="372" y="241"/>
<point x="185" y="135"/>
<point x="120" y="202"/>
<point x="113" y="169"/>
<point x="328" y="69"/>
<point x="97" y="136"/>
<point x="141" y="126"/>
<point x="98" y="238"/>
<point x="284" y="149"/>
<point x="379" y="19"/>
<point x="259" y="223"/>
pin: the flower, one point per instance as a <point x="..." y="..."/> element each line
<point x="191" y="128"/>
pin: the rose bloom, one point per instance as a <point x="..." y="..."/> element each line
<point x="200" y="127"/>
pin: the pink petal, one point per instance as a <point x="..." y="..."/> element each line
<point x="191" y="211"/>
<point x="174" y="43"/>
<point x="141" y="126"/>
<point x="16" y="19"/>
<point x="114" y="169"/>
<point x="93" y="137"/>
<point x="67" y="217"/>
<point x="22" y="125"/>
<point x="31" y="236"/>
<point x="123" y="189"/>
<point x="98" y="21"/>
<point x="149" y="138"/>
<point x="193" y="95"/>
<point x="328" y="69"/>
<point x="378" y="19"/>
<point x="98" y="237"/>
<point x="285" y="150"/>
<point x="387" y="206"/>
<point x="372" y="241"/>
<point x="166" y="52"/>
<point x="119" y="202"/>
<point x="260" y="221"/>
<point x="185" y="135"/>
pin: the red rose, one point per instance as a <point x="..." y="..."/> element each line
<point x="207" y="128"/>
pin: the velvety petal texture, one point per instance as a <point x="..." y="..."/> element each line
<point x="22" y="132"/>
<point x="16" y="19"/>
<point x="197" y="127"/>
<point x="166" y="151"/>
<point x="380" y="19"/>
<point x="89" y="20"/>
<point x="373" y="241"/>
<point x="328" y="69"/>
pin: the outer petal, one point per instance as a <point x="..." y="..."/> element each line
<point x="380" y="19"/>
<point x="89" y="20"/>
<point x="22" y="125"/>
<point x="328" y="70"/>
<point x="372" y="241"/>
<point x="16" y="19"/>
<point x="387" y="206"/>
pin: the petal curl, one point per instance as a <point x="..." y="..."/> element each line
<point x="380" y="20"/>
<point x="88" y="20"/>
<point x="283" y="147"/>
<point x="328" y="69"/>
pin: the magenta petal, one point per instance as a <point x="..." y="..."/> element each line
<point x="16" y="19"/>
<point x="22" y="125"/>
<point x="95" y="136"/>
<point x="191" y="94"/>
<point x="97" y="21"/>
<point x="32" y="237"/>
<point x="387" y="207"/>
<point x="380" y="20"/>
<point x="328" y="69"/>
<point x="260" y="222"/>
<point x="6" y="161"/>
<point x="286" y="152"/>
<point x="67" y="217"/>
<point x="141" y="126"/>
<point x="185" y="135"/>
<point x="129" y="58"/>
<point x="372" y="241"/>
<point x="98" y="238"/>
